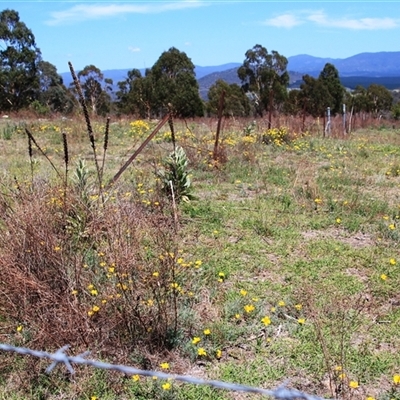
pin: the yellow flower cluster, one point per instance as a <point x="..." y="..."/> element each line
<point x="179" y="136"/>
<point x="276" y="136"/>
<point x="138" y="128"/>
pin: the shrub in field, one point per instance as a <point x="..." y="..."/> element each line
<point x="88" y="276"/>
<point x="139" y="128"/>
<point x="276" y="136"/>
<point x="175" y="178"/>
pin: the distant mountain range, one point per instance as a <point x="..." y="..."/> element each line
<point x="382" y="68"/>
<point x="380" y="64"/>
<point x="118" y="75"/>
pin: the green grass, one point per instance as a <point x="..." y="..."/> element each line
<point x="301" y="232"/>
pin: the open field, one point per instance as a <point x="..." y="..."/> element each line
<point x="284" y="268"/>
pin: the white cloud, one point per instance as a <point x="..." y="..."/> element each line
<point x="83" y="12"/>
<point x="284" y="21"/>
<point x="352" y="23"/>
<point x="290" y="20"/>
<point x="134" y="49"/>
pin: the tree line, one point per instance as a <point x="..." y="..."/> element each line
<point x="29" y="82"/>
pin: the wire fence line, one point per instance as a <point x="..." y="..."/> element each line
<point x="60" y="357"/>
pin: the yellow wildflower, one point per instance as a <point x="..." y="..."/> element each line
<point x="135" y="378"/>
<point x="301" y="321"/>
<point x="196" y="340"/>
<point x="266" y="321"/>
<point x="249" y="308"/>
<point x="396" y="379"/>
<point x="201" y="351"/>
<point x="164" y="365"/>
<point x="166" y="386"/>
<point x="207" y="331"/>
<point x="353" y="384"/>
<point x="19" y="328"/>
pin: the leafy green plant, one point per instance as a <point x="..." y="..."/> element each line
<point x="81" y="177"/>
<point x="39" y="108"/>
<point x="8" y="131"/>
<point x="175" y="177"/>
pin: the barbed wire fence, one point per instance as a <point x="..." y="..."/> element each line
<point x="60" y="357"/>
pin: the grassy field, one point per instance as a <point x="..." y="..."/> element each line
<point x="283" y="268"/>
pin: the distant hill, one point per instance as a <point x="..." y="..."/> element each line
<point x="382" y="68"/>
<point x="306" y="64"/>
<point x="118" y="75"/>
<point x="364" y="64"/>
<point x="351" y="82"/>
<point x="230" y="76"/>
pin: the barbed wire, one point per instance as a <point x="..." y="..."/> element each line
<point x="60" y="357"/>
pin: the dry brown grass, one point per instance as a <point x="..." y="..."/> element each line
<point x="89" y="274"/>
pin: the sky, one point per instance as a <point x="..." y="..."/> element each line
<point x="133" y="34"/>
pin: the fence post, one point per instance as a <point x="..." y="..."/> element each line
<point x="328" y="123"/>
<point x="344" y="120"/>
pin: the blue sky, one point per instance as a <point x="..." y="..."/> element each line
<point x="133" y="34"/>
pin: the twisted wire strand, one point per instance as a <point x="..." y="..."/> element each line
<point x="60" y="357"/>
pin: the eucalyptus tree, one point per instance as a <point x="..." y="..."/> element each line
<point x="175" y="85"/>
<point x="380" y="99"/>
<point x="265" y="76"/>
<point x="364" y="103"/>
<point x="292" y="104"/>
<point x="314" y="97"/>
<point x="237" y="104"/>
<point x="19" y="59"/>
<point x="52" y="92"/>
<point x="96" y="90"/>
<point x="135" y="94"/>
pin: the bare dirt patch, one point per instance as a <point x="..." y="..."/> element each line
<point x="357" y="240"/>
